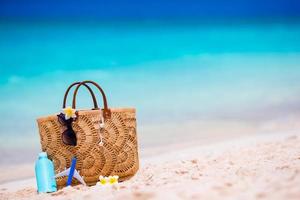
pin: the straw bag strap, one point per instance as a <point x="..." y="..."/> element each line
<point x="106" y="110"/>
<point x="88" y="87"/>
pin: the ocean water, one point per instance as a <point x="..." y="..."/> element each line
<point x="184" y="79"/>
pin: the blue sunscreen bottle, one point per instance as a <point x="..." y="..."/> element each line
<point x="44" y="173"/>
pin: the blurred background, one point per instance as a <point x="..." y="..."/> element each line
<point x="196" y="71"/>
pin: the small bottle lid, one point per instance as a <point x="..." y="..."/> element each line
<point x="43" y="155"/>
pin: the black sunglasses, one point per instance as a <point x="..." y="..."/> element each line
<point x="68" y="136"/>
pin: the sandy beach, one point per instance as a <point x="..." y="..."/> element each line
<point x="257" y="167"/>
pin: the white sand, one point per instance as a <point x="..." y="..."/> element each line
<point x="261" y="167"/>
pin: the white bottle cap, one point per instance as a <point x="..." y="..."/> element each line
<point x="43" y="155"/>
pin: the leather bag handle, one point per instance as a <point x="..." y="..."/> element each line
<point x="88" y="87"/>
<point x="106" y="110"/>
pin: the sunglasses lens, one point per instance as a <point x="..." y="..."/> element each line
<point x="61" y="119"/>
<point x="69" y="137"/>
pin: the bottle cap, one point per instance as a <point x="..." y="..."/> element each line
<point x="43" y="155"/>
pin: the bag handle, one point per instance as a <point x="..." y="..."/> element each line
<point x="88" y="87"/>
<point x="106" y="110"/>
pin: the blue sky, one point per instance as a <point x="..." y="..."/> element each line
<point x="148" y="10"/>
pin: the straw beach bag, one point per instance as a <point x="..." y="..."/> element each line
<point x="105" y="139"/>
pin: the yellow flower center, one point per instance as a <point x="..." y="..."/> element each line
<point x="69" y="112"/>
<point x="113" y="180"/>
<point x="103" y="181"/>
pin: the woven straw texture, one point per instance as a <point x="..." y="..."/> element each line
<point x="117" y="156"/>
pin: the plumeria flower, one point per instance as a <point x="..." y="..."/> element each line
<point x="69" y="113"/>
<point x="103" y="181"/>
<point x="113" y="180"/>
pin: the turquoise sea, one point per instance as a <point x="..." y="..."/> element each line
<point x="184" y="79"/>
